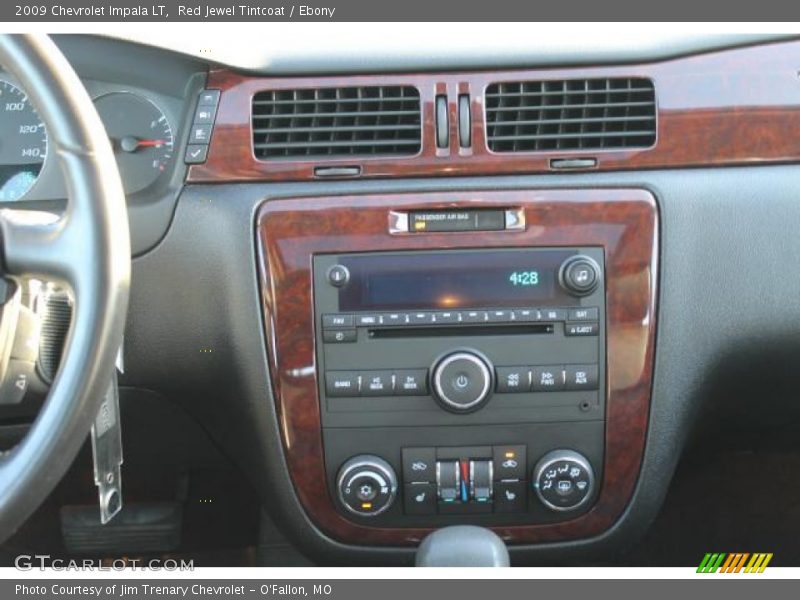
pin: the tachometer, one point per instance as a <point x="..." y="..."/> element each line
<point x="140" y="135"/>
<point x="23" y="143"/>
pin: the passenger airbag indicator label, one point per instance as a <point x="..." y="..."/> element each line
<point x="457" y="220"/>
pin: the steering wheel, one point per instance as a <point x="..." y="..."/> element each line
<point x="88" y="250"/>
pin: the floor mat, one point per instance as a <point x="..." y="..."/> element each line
<point x="727" y="502"/>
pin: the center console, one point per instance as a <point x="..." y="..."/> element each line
<point x="480" y="358"/>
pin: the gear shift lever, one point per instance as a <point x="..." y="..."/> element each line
<point x="462" y="546"/>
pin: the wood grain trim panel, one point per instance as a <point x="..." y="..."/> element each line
<point x="624" y="222"/>
<point x="738" y="106"/>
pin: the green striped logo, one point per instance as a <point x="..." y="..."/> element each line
<point x="722" y="562"/>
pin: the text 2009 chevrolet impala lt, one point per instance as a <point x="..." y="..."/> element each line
<point x="291" y="308"/>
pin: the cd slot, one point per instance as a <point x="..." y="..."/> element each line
<point x="460" y="330"/>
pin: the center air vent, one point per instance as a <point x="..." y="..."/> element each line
<point x="337" y="122"/>
<point x="575" y="114"/>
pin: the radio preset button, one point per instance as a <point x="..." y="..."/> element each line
<point x="448" y="317"/>
<point x="421" y="318"/>
<point x="548" y="379"/>
<point x="411" y="382"/>
<point x="338" y="321"/>
<point x="500" y="316"/>
<point x="341" y="383"/>
<point x="511" y="380"/>
<point x="526" y="314"/>
<point x="474" y="316"/>
<point x="394" y="319"/>
<point x="581" y="329"/>
<point x="581" y="377"/>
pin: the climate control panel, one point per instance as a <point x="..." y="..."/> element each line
<point x="466" y="481"/>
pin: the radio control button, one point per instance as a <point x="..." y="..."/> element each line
<point x="421" y="318"/>
<point x="579" y="275"/>
<point x="419" y="465"/>
<point x="339" y="336"/>
<point x="583" y="314"/>
<point x="368" y="320"/>
<point x="526" y="314"/>
<point x="448" y="317"/>
<point x="338" y="321"/>
<point x="462" y="381"/>
<point x="581" y="377"/>
<point x="581" y="329"/>
<point x="377" y="383"/>
<point x="553" y="314"/>
<point x="411" y="382"/>
<point x="394" y="319"/>
<point x="511" y="380"/>
<point x="341" y="384"/>
<point x="499" y="316"/>
<point x="509" y="462"/>
<point x="338" y="275"/>
<point x="474" y="316"/>
<point x="548" y="379"/>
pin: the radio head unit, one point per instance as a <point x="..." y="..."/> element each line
<point x="458" y="355"/>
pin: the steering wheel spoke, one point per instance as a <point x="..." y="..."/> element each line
<point x="35" y="245"/>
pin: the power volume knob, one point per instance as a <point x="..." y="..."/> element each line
<point x="367" y="485"/>
<point x="462" y="381"/>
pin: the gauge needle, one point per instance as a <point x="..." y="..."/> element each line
<point x="131" y="144"/>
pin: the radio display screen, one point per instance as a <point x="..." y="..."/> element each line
<point x="453" y="279"/>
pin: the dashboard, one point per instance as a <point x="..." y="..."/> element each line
<point x="478" y="294"/>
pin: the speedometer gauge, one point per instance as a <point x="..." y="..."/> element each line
<point x="140" y="135"/>
<point x="23" y="143"/>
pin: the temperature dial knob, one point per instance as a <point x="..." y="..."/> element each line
<point x="563" y="480"/>
<point x="367" y="485"/>
<point x="462" y="381"/>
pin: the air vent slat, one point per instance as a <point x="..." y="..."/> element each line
<point x="330" y="122"/>
<point x="355" y="113"/>
<point x="332" y="144"/>
<point x="568" y="92"/>
<point x="550" y="136"/>
<point x="352" y="128"/>
<point x="578" y="120"/>
<point x="574" y="114"/>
